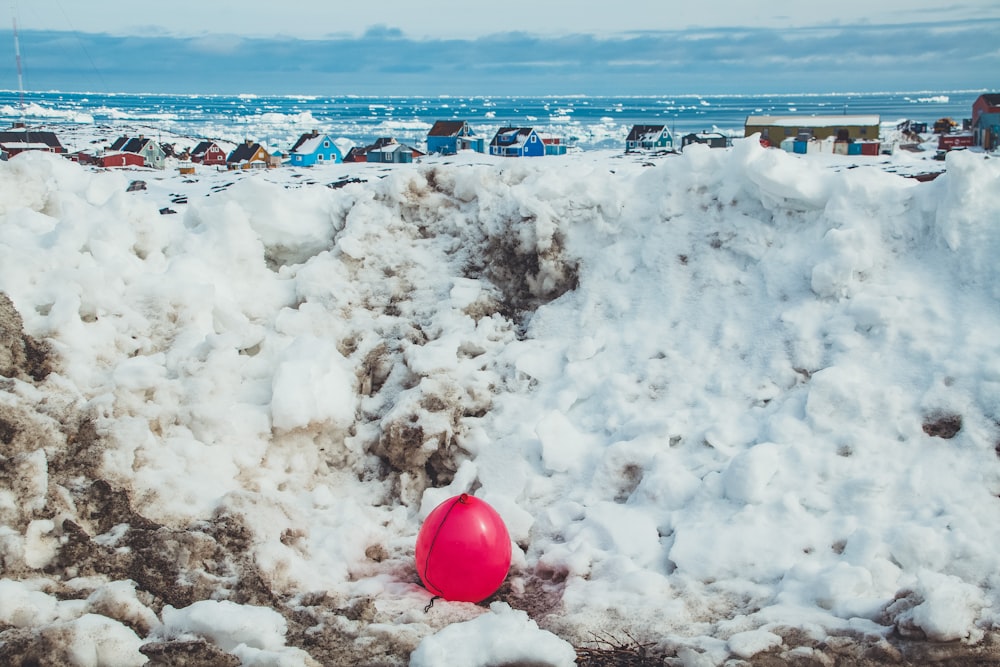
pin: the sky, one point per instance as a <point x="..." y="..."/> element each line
<point x="448" y="47"/>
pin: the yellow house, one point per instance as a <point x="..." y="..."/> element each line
<point x="248" y="155"/>
<point x="775" y="129"/>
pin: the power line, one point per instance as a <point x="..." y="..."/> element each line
<point x="83" y="47"/>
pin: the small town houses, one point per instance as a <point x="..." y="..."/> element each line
<point x="525" y="142"/>
<point x="19" y="139"/>
<point x="151" y="151"/>
<point x="846" y="134"/>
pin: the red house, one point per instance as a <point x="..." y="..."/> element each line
<point x="19" y="139"/>
<point x="986" y="120"/>
<point x="208" y="152"/>
<point x="116" y="159"/>
<point x="357" y="154"/>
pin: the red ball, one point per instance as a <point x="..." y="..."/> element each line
<point x="463" y="550"/>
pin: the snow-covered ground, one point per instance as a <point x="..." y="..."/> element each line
<point x="729" y="403"/>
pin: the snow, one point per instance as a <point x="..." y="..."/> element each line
<point x="707" y="397"/>
<point x="503" y="636"/>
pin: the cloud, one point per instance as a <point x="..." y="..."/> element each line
<point x="383" y="32"/>
<point x="947" y="56"/>
<point x="217" y="44"/>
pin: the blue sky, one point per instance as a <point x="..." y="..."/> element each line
<point x="435" y="47"/>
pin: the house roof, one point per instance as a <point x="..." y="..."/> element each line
<point x="128" y="144"/>
<point x="202" y="147"/>
<point x="814" y="121"/>
<point x="308" y="142"/>
<point x="991" y="99"/>
<point x="355" y="153"/>
<point x="393" y="147"/>
<point x="244" y="152"/>
<point x="645" y="132"/>
<point x="29" y="137"/>
<point x="511" y="136"/>
<point x="705" y="135"/>
<point x="388" y="148"/>
<point x="24" y="145"/>
<point x="446" y="128"/>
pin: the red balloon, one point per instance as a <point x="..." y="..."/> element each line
<point x="463" y="550"/>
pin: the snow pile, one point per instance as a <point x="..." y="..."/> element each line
<point x="506" y="636"/>
<point x="730" y="394"/>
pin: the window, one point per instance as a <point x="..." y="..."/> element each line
<point x="319" y="157"/>
<point x="326" y="144"/>
<point x="534" y="138"/>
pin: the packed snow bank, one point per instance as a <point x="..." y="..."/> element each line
<point x="720" y="397"/>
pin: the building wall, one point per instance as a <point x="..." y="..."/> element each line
<point x="472" y="143"/>
<point x="987" y="130"/>
<point x="214" y="156"/>
<point x="778" y="133"/>
<point x="446" y="145"/>
<point x="988" y="136"/>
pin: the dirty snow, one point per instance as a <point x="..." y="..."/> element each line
<point x="719" y="398"/>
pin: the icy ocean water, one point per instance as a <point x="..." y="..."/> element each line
<point x="583" y="122"/>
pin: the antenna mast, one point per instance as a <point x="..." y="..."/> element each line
<point x="17" y="56"/>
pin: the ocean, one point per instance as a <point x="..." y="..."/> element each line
<point x="583" y="122"/>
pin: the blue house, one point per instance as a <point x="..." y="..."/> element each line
<point x="447" y="137"/>
<point x="517" y="142"/>
<point x="314" y="148"/>
<point x="986" y="121"/>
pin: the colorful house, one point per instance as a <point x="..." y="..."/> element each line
<point x="775" y="129"/>
<point x="648" y="137"/>
<point x="517" y="142"/>
<point x="208" y="153"/>
<point x="119" y="159"/>
<point x="553" y="144"/>
<point x="357" y="154"/>
<point x="248" y="155"/>
<point x="151" y="152"/>
<point x="712" y="139"/>
<point x="19" y="139"/>
<point x="389" y="151"/>
<point x="986" y="121"/>
<point x="315" y="148"/>
<point x="447" y="137"/>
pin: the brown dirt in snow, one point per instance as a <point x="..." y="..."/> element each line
<point x="49" y="440"/>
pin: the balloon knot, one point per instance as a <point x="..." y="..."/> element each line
<point x="464" y="498"/>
